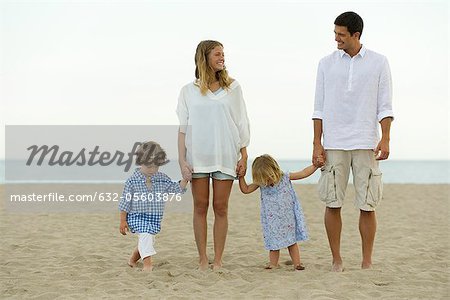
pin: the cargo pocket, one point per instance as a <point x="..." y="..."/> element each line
<point x="374" y="188"/>
<point x="327" y="185"/>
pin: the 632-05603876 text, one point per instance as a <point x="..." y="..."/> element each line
<point x="101" y="197"/>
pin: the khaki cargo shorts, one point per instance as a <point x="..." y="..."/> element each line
<point x="366" y="178"/>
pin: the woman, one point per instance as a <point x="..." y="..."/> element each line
<point x="214" y="133"/>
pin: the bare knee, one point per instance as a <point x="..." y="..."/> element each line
<point x="220" y="210"/>
<point x="201" y="208"/>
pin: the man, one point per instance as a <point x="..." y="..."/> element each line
<point x="353" y="95"/>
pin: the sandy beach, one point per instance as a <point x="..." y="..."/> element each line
<point x="82" y="254"/>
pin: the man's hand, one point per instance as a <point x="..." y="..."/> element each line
<point x="382" y="150"/>
<point x="318" y="157"/>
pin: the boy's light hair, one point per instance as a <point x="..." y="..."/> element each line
<point x="266" y="171"/>
<point x="151" y="153"/>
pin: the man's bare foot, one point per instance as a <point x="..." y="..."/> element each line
<point x="337" y="267"/>
<point x="366" y="266"/>
<point x="132" y="264"/>
<point x="147" y="268"/>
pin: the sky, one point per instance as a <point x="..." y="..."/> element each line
<point x="124" y="63"/>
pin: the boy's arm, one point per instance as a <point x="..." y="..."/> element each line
<point x="123" y="223"/>
<point x="245" y="188"/>
<point x="303" y="173"/>
<point x="183" y="183"/>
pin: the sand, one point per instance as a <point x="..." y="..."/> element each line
<point x="68" y="254"/>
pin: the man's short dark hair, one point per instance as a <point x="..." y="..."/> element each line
<point x="352" y="21"/>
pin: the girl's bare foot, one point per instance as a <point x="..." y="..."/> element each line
<point x="270" y="267"/>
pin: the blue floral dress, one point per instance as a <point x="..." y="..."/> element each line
<point x="282" y="219"/>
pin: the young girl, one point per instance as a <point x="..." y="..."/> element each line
<point x="282" y="218"/>
<point x="142" y="203"/>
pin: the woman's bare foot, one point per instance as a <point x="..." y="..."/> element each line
<point x="216" y="266"/>
<point x="366" y="266"/>
<point x="337" y="267"/>
<point x="299" y="267"/>
<point x="203" y="265"/>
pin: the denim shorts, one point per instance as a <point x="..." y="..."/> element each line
<point x="215" y="175"/>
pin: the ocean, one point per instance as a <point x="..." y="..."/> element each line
<point x="394" y="171"/>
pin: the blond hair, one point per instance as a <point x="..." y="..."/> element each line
<point x="151" y="153"/>
<point x="266" y="171"/>
<point x="203" y="71"/>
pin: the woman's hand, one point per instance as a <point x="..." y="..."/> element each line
<point x="186" y="171"/>
<point x="241" y="167"/>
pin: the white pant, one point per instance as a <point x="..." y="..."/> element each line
<point x="145" y="245"/>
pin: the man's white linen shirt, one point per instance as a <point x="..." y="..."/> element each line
<point x="352" y="95"/>
<point x="216" y="127"/>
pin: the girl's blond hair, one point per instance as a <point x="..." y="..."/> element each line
<point x="203" y="71"/>
<point x="266" y="171"/>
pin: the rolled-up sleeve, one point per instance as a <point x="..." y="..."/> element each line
<point x="384" y="99"/>
<point x="182" y="111"/>
<point x="320" y="93"/>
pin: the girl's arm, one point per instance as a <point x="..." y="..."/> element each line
<point x="245" y="188"/>
<point x="306" y="172"/>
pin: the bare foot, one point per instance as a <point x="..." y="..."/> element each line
<point x="270" y="267"/>
<point x="147" y="268"/>
<point x="132" y="264"/>
<point x="337" y="267"/>
<point x="366" y="266"/>
<point x="216" y="266"/>
<point x="203" y="265"/>
<point x="299" y="267"/>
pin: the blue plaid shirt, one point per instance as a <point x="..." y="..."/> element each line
<point x="144" y="206"/>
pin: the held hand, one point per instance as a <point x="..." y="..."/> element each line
<point x="318" y="157"/>
<point x="186" y="171"/>
<point x="382" y="150"/>
<point x="123" y="227"/>
<point x="241" y="167"/>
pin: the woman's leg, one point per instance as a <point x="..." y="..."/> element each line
<point x="200" y="193"/>
<point x="221" y="194"/>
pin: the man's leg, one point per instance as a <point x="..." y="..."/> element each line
<point x="367" y="229"/>
<point x="363" y="167"/>
<point x="333" y="225"/>
<point x="338" y="161"/>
